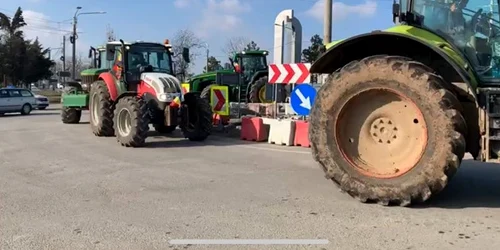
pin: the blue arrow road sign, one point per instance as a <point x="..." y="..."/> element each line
<point x="302" y="98"/>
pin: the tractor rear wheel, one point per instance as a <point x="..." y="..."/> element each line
<point x="131" y="121"/>
<point x="199" y="126"/>
<point x="385" y="129"/>
<point x="70" y="115"/>
<point x="101" y="110"/>
<point x="162" y="129"/>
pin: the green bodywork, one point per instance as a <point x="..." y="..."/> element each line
<point x="199" y="82"/>
<point x="80" y="98"/>
<point x="431" y="39"/>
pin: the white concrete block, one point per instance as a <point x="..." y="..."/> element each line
<point x="281" y="132"/>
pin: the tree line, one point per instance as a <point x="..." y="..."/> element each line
<point x="22" y="61"/>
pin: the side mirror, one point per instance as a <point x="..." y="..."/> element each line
<point x="185" y="55"/>
<point x="90" y="52"/>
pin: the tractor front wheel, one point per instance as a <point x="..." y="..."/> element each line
<point x="71" y="115"/>
<point x="101" y="110"/>
<point x="131" y="121"/>
<point x="257" y="92"/>
<point x="386" y="130"/>
<point x="205" y="93"/>
<point x="199" y="124"/>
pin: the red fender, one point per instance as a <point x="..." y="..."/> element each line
<point x="110" y="81"/>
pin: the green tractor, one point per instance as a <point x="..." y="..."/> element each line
<point x="402" y="106"/>
<point x="253" y="67"/>
<point x="74" y="93"/>
<point x="132" y="86"/>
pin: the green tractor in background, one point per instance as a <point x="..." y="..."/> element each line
<point x="402" y="106"/>
<point x="253" y="67"/>
<point x="73" y="91"/>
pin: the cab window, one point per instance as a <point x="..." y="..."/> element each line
<point x="15" y="93"/>
<point x="4" y="93"/>
<point x="26" y="93"/>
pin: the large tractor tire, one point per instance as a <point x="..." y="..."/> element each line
<point x="162" y="129"/>
<point x="257" y="92"/>
<point x="385" y="129"/>
<point x="199" y="126"/>
<point x="131" y="121"/>
<point x="70" y="115"/>
<point x="101" y="110"/>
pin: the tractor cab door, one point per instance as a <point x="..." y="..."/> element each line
<point x="472" y="26"/>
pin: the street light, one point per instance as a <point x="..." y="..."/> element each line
<point x="74" y="36"/>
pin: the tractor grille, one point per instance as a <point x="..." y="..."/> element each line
<point x="170" y="85"/>
<point x="89" y="79"/>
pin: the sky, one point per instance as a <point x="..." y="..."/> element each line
<point x="214" y="21"/>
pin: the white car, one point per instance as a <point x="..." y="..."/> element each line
<point x="42" y="102"/>
<point x="16" y="100"/>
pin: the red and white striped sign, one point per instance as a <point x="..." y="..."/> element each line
<point x="289" y="73"/>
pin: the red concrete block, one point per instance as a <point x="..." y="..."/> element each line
<point x="253" y="129"/>
<point x="301" y="134"/>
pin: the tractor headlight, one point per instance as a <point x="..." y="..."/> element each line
<point x="163" y="97"/>
<point x="85" y="86"/>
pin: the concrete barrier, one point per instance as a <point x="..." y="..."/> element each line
<point x="281" y="132"/>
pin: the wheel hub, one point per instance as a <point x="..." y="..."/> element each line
<point x="124" y="122"/>
<point x="381" y="133"/>
<point x="383" y="130"/>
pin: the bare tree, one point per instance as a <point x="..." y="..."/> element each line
<point x="110" y="34"/>
<point x="235" y="44"/>
<point x="185" y="39"/>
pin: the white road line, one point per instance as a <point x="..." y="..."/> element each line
<point x="248" y="242"/>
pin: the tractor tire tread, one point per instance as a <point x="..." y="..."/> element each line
<point x="449" y="132"/>
<point x="140" y="121"/>
<point x="105" y="128"/>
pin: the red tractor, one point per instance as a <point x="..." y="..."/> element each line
<point x="141" y="89"/>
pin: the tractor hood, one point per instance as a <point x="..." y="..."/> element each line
<point x="213" y="73"/>
<point x="166" y="86"/>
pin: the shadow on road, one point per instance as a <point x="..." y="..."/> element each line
<point x="216" y="139"/>
<point x="476" y="184"/>
<point x="38" y="113"/>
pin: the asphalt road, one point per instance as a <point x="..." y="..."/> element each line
<point x="63" y="188"/>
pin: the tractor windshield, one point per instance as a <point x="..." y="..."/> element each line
<point x="253" y="63"/>
<point x="471" y="25"/>
<point x="155" y="55"/>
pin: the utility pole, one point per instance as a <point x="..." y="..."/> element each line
<point x="64" y="58"/>
<point x="327" y="22"/>
<point x="73" y="40"/>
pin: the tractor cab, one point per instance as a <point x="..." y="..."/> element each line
<point x="138" y="61"/>
<point x="250" y="62"/>
<point x="470" y="26"/>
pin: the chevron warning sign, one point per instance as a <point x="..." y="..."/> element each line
<point x="296" y="73"/>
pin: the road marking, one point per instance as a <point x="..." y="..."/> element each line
<point x="249" y="242"/>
